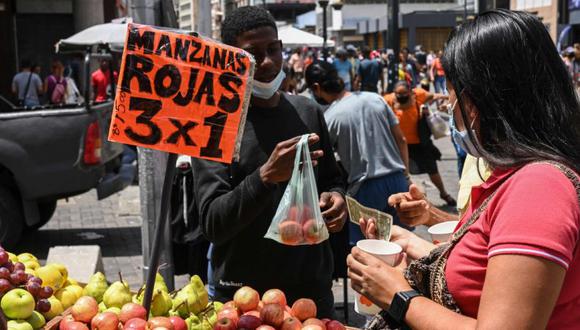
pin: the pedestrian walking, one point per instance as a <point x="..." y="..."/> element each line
<point x="370" y="73"/>
<point x="27" y="85"/>
<point x="237" y="202"/>
<point x="438" y="74"/>
<point x="344" y="68"/>
<point x="423" y="155"/>
<point x="102" y="81"/>
<point x="376" y="163"/>
<point x="514" y="258"/>
<point x="55" y="84"/>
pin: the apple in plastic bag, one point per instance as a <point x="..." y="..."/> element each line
<point x="290" y="232"/>
<point x="312" y="231"/>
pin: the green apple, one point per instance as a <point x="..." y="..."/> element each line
<point x="37" y="321"/>
<point x="19" y="325"/>
<point x="18" y="304"/>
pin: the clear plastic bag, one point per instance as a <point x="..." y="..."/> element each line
<point x="298" y="220"/>
<point x="437" y="125"/>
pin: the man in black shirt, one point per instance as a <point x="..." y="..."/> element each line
<point x="237" y="202"/>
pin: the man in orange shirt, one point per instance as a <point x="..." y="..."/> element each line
<point x="423" y="155"/>
<point x="438" y="74"/>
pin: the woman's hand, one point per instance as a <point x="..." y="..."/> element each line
<point x="374" y="279"/>
<point x="414" y="246"/>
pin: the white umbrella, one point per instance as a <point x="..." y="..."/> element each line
<point x="293" y="37"/>
<point x="111" y="34"/>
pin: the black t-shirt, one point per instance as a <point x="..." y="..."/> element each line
<point x="236" y="208"/>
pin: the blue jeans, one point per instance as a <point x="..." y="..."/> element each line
<point x="440" y="85"/>
<point x="374" y="193"/>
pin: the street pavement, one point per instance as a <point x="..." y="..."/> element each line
<point x="114" y="225"/>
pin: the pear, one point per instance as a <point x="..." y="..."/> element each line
<point x="187" y="301"/>
<point x="96" y="286"/>
<point x="62" y="269"/>
<point x="191" y="321"/>
<point x="102" y="307"/>
<point x="69" y="295"/>
<point x="217" y="305"/>
<point x="12" y="257"/>
<point x="113" y="310"/>
<point x="199" y="288"/>
<point x="117" y="295"/>
<point x="24" y="257"/>
<point x="51" y="277"/>
<point x="55" y="308"/>
<point x="160" y="283"/>
<point x="160" y="303"/>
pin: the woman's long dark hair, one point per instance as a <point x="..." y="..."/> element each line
<point x="507" y="65"/>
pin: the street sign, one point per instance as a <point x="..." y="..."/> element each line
<point x="182" y="94"/>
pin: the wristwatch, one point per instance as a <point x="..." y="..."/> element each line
<point x="400" y="304"/>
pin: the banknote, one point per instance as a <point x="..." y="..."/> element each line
<point x="384" y="220"/>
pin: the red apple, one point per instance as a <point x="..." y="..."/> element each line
<point x="311" y="231"/>
<point x="265" y="327"/>
<point x="314" y="321"/>
<point x="288" y="309"/>
<point x="249" y="322"/>
<point x="274" y="296"/>
<point x="306" y="213"/>
<point x="105" y="321"/>
<point x="225" y="324"/>
<point x="230" y="304"/>
<point x="290" y="232"/>
<point x="335" y="325"/>
<point x="246" y="299"/>
<point x="160" y="322"/>
<point x="229" y="313"/>
<point x="260" y="306"/>
<point x="68" y="318"/>
<point x="293" y="214"/>
<point x="85" y="309"/>
<point x="325" y="321"/>
<point x="312" y="327"/>
<point x="74" y="325"/>
<point x="136" y="324"/>
<point x="287" y="315"/>
<point x="253" y="313"/>
<point x="272" y="314"/>
<point x="291" y="323"/>
<point x="178" y="323"/>
<point x="132" y="311"/>
<point x="304" y="309"/>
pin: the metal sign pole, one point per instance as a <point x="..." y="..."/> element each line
<point x="159" y="231"/>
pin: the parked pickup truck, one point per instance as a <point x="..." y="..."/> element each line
<point x="53" y="152"/>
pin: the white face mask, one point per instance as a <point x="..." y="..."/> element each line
<point x="265" y="90"/>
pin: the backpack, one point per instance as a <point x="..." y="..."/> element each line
<point x="58" y="93"/>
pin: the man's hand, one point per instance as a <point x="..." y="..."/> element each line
<point x="279" y="166"/>
<point x="333" y="207"/>
<point x="412" y="208"/>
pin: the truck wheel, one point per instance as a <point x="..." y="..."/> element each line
<point x="11" y="218"/>
<point x="45" y="212"/>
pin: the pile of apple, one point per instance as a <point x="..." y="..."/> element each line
<point x="248" y="312"/>
<point x="85" y="315"/>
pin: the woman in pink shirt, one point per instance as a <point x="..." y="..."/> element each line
<point x="514" y="259"/>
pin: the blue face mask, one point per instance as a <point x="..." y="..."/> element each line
<point x="462" y="138"/>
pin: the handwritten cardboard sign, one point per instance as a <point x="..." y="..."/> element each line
<point x="181" y="93"/>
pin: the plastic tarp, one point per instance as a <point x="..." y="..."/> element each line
<point x="111" y="34"/>
<point x="293" y="37"/>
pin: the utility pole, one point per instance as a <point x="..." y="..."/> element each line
<point x="393" y="27"/>
<point x="324" y="5"/>
<point x="152" y="163"/>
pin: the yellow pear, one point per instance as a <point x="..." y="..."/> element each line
<point x="96" y="286"/>
<point x="115" y="310"/>
<point x="69" y="295"/>
<point x="12" y="257"/>
<point x="160" y="283"/>
<point x="70" y="281"/>
<point x="117" y="295"/>
<point x="32" y="264"/>
<point x="161" y="303"/>
<point x="55" y="308"/>
<point x="62" y="269"/>
<point x="51" y="277"/>
<point x="102" y="307"/>
<point x="24" y="257"/>
<point x="30" y="271"/>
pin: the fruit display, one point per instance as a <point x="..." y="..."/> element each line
<point x="247" y="311"/>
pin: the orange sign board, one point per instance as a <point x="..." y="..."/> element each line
<point x="181" y="93"/>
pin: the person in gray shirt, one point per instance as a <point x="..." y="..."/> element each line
<point x="366" y="137"/>
<point x="27" y="85"/>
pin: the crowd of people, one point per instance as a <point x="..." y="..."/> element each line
<point x="59" y="87"/>
<point x="514" y="258"/>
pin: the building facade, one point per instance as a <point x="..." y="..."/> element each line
<point x="546" y="10"/>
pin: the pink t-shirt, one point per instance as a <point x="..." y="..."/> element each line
<point x="535" y="212"/>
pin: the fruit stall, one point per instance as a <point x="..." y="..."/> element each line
<point x="44" y="297"/>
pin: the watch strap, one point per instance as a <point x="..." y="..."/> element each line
<point x="400" y="304"/>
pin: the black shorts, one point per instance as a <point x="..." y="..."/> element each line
<point x="423" y="158"/>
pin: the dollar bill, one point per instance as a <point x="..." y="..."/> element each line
<point x="384" y="220"/>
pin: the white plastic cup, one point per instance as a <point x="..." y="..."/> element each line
<point x="441" y="232"/>
<point x="388" y="252"/>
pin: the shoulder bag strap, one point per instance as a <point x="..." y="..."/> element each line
<point x="27" y="87"/>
